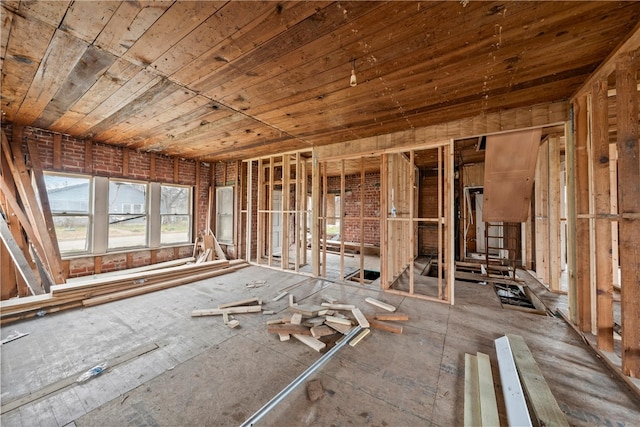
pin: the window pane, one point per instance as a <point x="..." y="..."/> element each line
<point x="67" y="194"/>
<point x="72" y="232"/>
<point x="224" y="214"/>
<point x="175" y="229"/>
<point x="174" y="200"/>
<point x="127" y="231"/>
<point x="127" y="197"/>
<point x="225" y="229"/>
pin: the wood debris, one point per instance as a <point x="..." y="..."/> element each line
<point x="320" y="326"/>
<point x="315" y="391"/>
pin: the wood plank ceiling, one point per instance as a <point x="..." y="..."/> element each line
<point x="231" y="80"/>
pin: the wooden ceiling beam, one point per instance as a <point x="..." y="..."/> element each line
<point x="630" y="43"/>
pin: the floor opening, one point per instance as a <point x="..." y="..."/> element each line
<point x="369" y="276"/>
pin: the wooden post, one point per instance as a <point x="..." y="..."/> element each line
<point x="315" y="207"/>
<point x="270" y="217"/>
<point x="260" y="218"/>
<point x="57" y="151"/>
<point x="384" y="208"/>
<point x="412" y="184"/>
<point x="571" y="219"/>
<point x="342" y="188"/>
<point x="286" y="205"/>
<point x="554" y="214"/>
<point x="629" y="208"/>
<point x="197" y="223"/>
<point x="440" y="219"/>
<point x="297" y="200"/>
<point x="362" y="185"/>
<point x="450" y="218"/>
<point x="583" y="260"/>
<point x="600" y="165"/>
<point x="249" y="209"/>
<point x="541" y="205"/>
<point x="324" y="220"/>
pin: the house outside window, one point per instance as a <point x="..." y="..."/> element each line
<point x="70" y="199"/>
<point x="127" y="214"/>
<point x="175" y="214"/>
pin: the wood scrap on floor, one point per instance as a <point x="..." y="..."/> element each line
<point x="325" y="324"/>
<point x="545" y="408"/>
<point x="229" y="310"/>
<point x="480" y="405"/>
<point x="315" y="391"/>
<point x="380" y="304"/>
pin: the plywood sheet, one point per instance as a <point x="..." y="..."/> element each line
<point x="508" y="175"/>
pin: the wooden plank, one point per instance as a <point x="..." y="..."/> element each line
<point x="602" y="198"/>
<point x="43" y="197"/>
<point x="249" y="301"/>
<point x="472" y="416"/>
<point x="554" y="214"/>
<point x="629" y="208"/>
<point x="88" y="69"/>
<point x="571" y="246"/>
<point x="24" y="225"/>
<point x="544" y="406"/>
<point x="360" y="318"/>
<point x="363" y="333"/>
<point x="339" y="320"/>
<point x="62" y="55"/>
<point x="583" y="265"/>
<point x="288" y="328"/>
<point x="343" y="329"/>
<point x="19" y="260"/>
<point x="338" y="306"/>
<point x="515" y="403"/>
<point x="27" y="196"/>
<point x="57" y="151"/>
<point x="385" y="326"/>
<point x="306" y="310"/>
<point x="380" y="304"/>
<point x="230" y="310"/>
<point x="391" y="316"/>
<point x="321" y="331"/>
<point x="630" y="43"/>
<point x="488" y="404"/>
<point x="315" y="344"/>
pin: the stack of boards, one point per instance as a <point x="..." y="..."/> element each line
<point x="108" y="288"/>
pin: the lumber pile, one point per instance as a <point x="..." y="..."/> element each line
<point x="320" y="326"/>
<point x="103" y="290"/>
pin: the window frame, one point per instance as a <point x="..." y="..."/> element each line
<point x="220" y="215"/>
<point x="88" y="214"/>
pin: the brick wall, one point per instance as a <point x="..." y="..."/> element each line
<point x="107" y="160"/>
<point x="351" y="214"/>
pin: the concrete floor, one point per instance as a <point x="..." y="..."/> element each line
<point x="203" y="373"/>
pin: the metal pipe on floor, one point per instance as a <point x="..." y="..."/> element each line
<point x="251" y="421"/>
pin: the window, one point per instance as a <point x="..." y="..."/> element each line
<point x="127" y="214"/>
<point x="70" y="202"/>
<point x="224" y="214"/>
<point x="175" y="214"/>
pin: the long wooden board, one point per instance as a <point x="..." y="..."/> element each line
<point x="544" y="406"/>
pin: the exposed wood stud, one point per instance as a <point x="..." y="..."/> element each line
<point x="57" y="151"/>
<point x="583" y="266"/>
<point x="600" y="167"/>
<point x="629" y="206"/>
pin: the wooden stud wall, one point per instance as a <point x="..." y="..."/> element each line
<point x="608" y="203"/>
<point x="286" y="173"/>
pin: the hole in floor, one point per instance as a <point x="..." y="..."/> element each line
<point x="513" y="295"/>
<point x="369" y="276"/>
